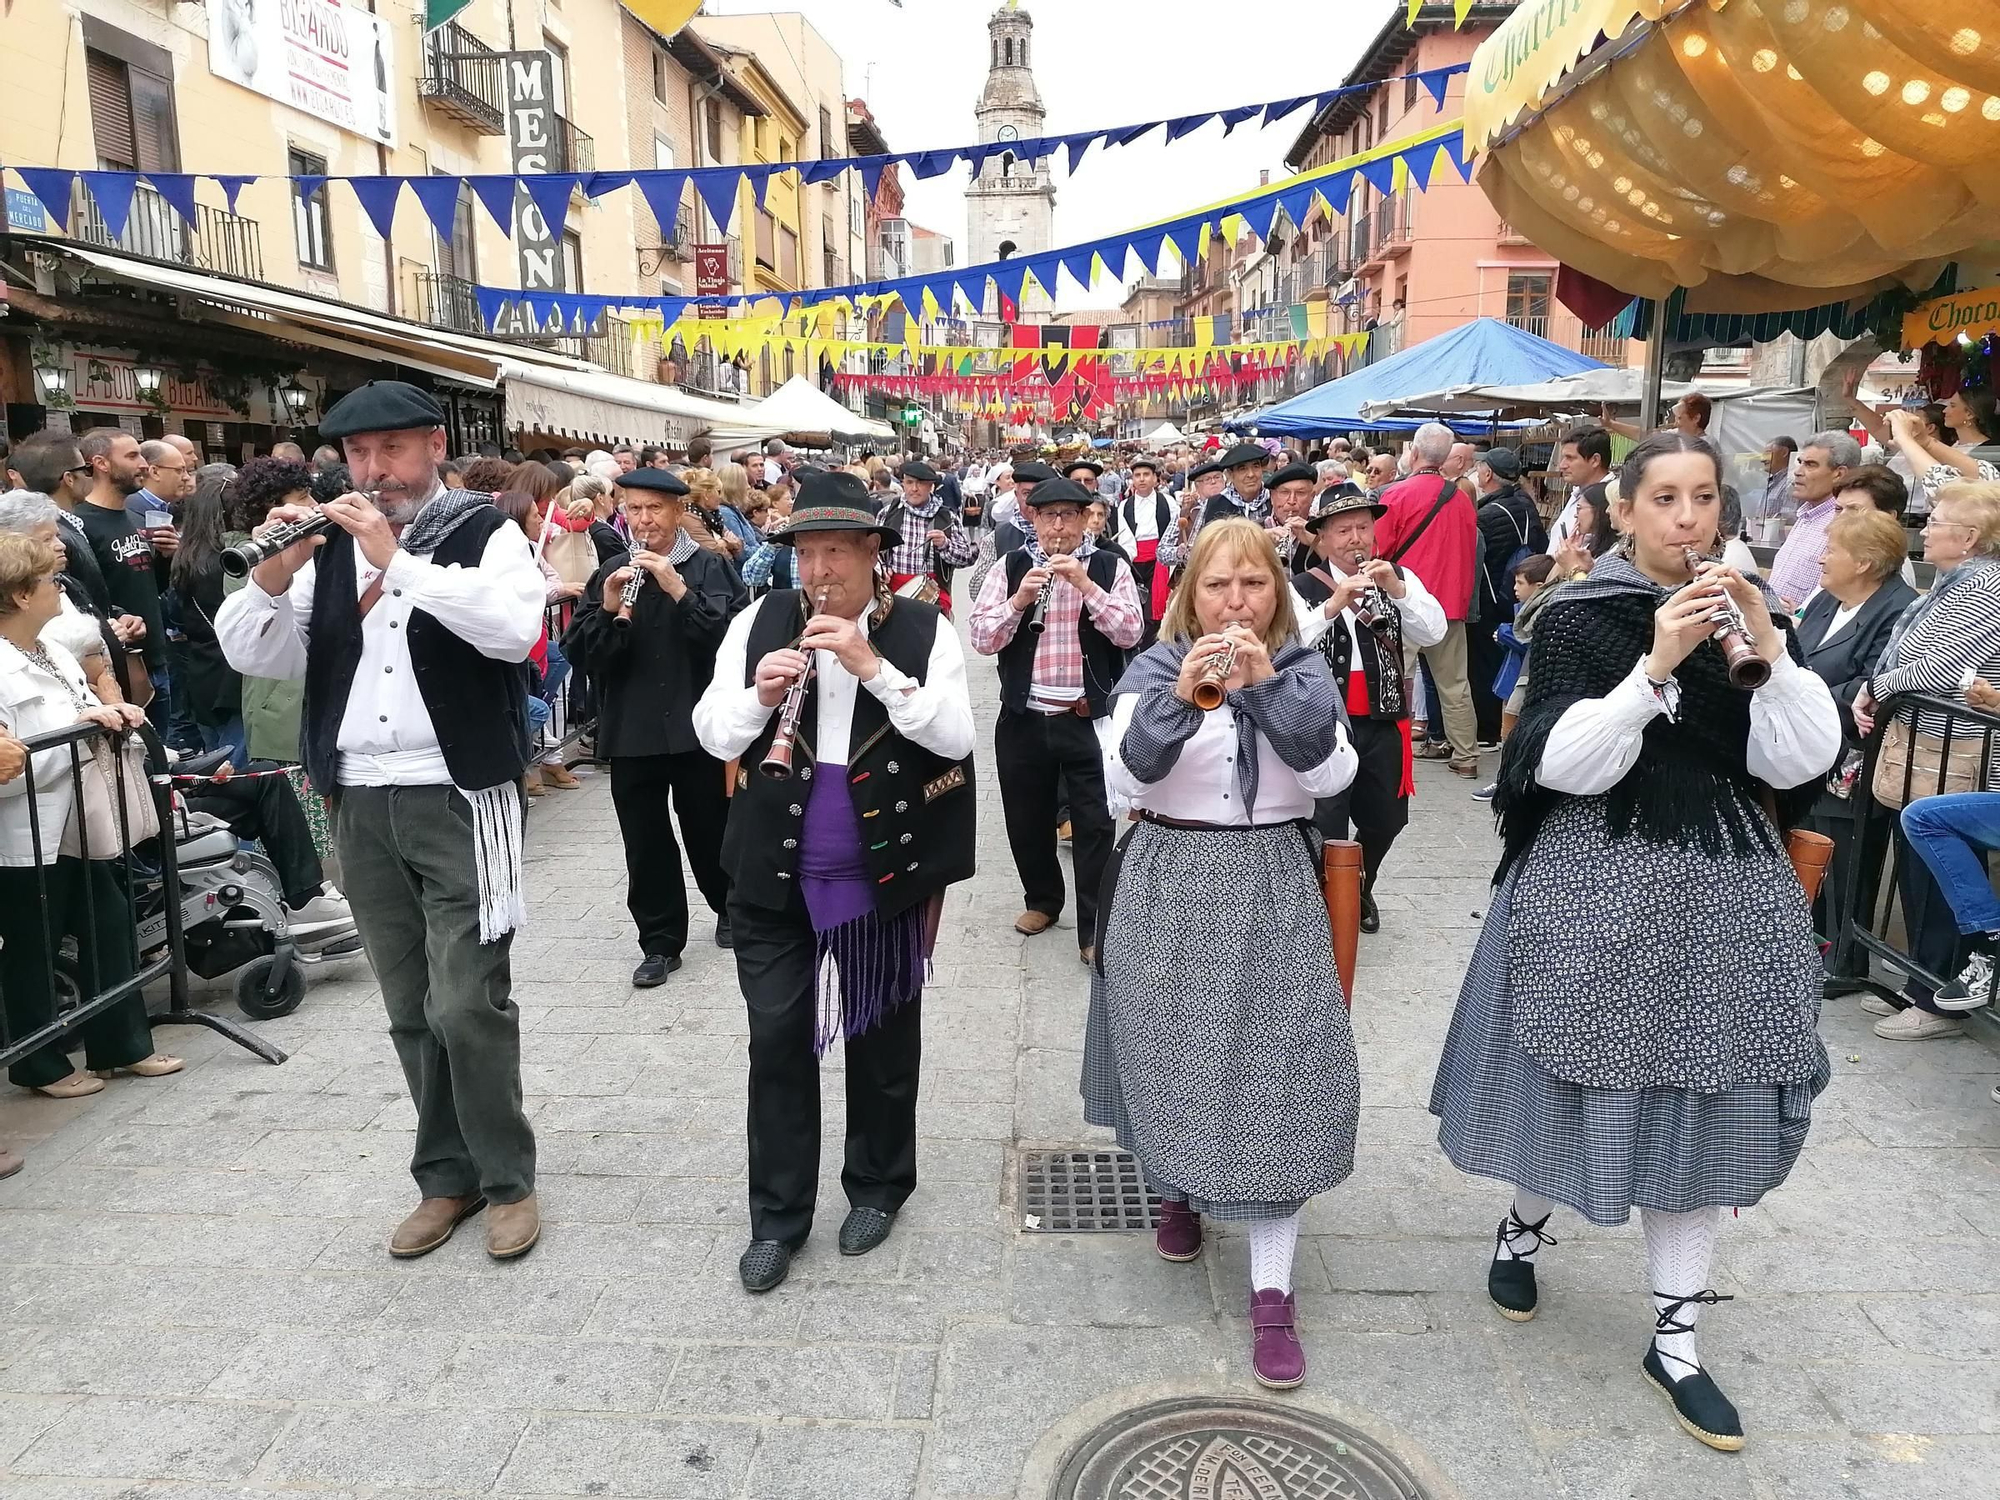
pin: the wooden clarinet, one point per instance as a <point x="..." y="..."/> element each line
<point x="777" y="762"/>
<point x="1747" y="669"/>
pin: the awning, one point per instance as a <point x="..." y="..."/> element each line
<point x="1768" y="156"/>
<point x="593" y="406"/>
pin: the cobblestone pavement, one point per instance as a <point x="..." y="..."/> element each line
<point x="199" y="1306"/>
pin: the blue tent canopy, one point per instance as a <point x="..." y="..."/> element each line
<point x="1485" y="351"/>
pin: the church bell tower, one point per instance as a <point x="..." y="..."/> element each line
<point x="1010" y="207"/>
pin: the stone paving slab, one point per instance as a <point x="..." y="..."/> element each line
<point x="195" y="1305"/>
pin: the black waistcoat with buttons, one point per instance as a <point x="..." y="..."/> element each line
<point x="477" y="706"/>
<point x="1104" y="660"/>
<point x="915" y="808"/>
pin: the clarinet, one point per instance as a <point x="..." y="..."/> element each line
<point x="242" y="559"/>
<point x="629" y="595"/>
<point x="1038" y="620"/>
<point x="1732" y="634"/>
<point x="777" y="762"/>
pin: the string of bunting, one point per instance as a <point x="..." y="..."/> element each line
<point x="1389" y="168"/>
<point x="718" y="188"/>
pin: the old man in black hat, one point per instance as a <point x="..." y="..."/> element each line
<point x="647" y="630"/>
<point x="848" y="710"/>
<point x="1361" y="613"/>
<point x="409" y="617"/>
<point x="1291" y="491"/>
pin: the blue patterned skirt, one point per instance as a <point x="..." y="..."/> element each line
<point x="1603" y="1151"/>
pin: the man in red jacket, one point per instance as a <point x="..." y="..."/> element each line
<point x="1431" y="527"/>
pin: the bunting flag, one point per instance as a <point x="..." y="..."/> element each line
<point x="718" y="188"/>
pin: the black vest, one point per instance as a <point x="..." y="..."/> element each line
<point x="916" y="808"/>
<point x="1103" y="660"/>
<point x="1163" y="514"/>
<point x="1381" y="655"/>
<point x="478" y="706"/>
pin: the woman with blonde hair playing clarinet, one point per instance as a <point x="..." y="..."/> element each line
<point x="1217" y="1044"/>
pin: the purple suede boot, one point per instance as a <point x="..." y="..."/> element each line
<point x="1276" y="1357"/>
<point x="1179" y="1234"/>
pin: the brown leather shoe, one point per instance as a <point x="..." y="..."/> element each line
<point x="1031" y="922"/>
<point x="512" y="1228"/>
<point x="431" y="1225"/>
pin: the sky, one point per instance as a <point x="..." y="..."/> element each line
<point x="921" y="65"/>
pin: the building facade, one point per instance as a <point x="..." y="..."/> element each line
<point x="1010" y="206"/>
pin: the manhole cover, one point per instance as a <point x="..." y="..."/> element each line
<point x="1209" y="1449"/>
<point x="1083" y="1192"/>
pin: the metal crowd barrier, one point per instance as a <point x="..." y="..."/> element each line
<point x="1894" y="907"/>
<point x="149" y="879"/>
<point x="572" y="707"/>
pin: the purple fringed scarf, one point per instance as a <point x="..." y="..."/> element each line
<point x="867" y="966"/>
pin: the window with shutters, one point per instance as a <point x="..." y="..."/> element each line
<point x="131" y="115"/>
<point x="309" y="213"/>
<point x="572" y="261"/>
<point x="827" y="145"/>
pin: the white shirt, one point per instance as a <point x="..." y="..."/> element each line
<point x="1842" y="618"/>
<point x="1794" y="732"/>
<point x="1145" y="525"/>
<point x="31" y="703"/>
<point x="386" y="736"/>
<point x="935" y="713"/>
<point x="1424" y="623"/>
<point x="1202" y="787"/>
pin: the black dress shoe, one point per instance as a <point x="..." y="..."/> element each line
<point x="1371" y="919"/>
<point x="765" y="1264"/>
<point x="864" y="1229"/>
<point x="654" y="969"/>
<point x="725" y="935"/>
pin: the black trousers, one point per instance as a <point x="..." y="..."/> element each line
<point x="775" y="965"/>
<point x="266" y="809"/>
<point x="642" y="789"/>
<point x="1042" y="758"/>
<point x="1483" y="656"/>
<point x="1372" y="804"/>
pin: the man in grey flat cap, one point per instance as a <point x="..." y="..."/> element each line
<point x="409" y="618"/>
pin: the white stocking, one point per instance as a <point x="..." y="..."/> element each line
<point x="1679" y="1251"/>
<point x="1272" y="1242"/>
<point x="1521" y="1244"/>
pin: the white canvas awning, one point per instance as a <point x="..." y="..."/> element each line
<point x="592" y="405"/>
<point x="800" y="408"/>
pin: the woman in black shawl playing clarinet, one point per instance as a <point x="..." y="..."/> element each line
<point x="1657" y="1051"/>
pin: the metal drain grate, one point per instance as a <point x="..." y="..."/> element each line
<point x="1083" y="1192"/>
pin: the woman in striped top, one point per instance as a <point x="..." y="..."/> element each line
<point x="1940" y="647"/>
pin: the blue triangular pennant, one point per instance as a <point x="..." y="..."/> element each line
<point x="1436" y="81"/>
<point x="1337" y="189"/>
<point x="1422" y="161"/>
<point x="1078" y="265"/>
<point x="549" y="192"/>
<point x="928" y="164"/>
<point x="54" y="186"/>
<point x="663" y="192"/>
<point x="492" y="300"/>
<point x="1279" y="109"/>
<point x="1231" y="118"/>
<point x="231" y="186"/>
<point x="1148" y="247"/>
<point x="1297" y="205"/>
<point x="1127" y="136"/>
<point x="871" y="176"/>
<point x="496" y="192"/>
<point x="1379" y="174"/>
<point x="975" y="157"/>
<point x="439" y="197"/>
<point x="760" y="183"/>
<point x="1075" y="145"/>
<point x="811" y="172"/>
<point x="178" y="189"/>
<point x="596" y="184"/>
<point x="1454" y="148"/>
<point x="377" y="197"/>
<point x="718" y="192"/>
<point x="1185" y="124"/>
<point x="113" y="192"/>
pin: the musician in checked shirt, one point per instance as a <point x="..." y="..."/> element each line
<point x="1054" y="684"/>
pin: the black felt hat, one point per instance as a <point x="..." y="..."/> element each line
<point x="1243" y="453"/>
<point x="1091" y="464"/>
<point x="1291" y="472"/>
<point x="1343" y="502"/>
<point x="1034" y="471"/>
<point x="917" y="469"/>
<point x="834" y="501"/>
<point x="1213" y="466"/>
<point x="381" y="406"/>
<point x="660" y="480"/>
<point x="1060" y="492"/>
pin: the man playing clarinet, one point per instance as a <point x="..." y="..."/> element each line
<point x="1062" y="616"/>
<point x="647" y="630"/>
<point x="853" y="811"/>
<point x="1360" y="613"/>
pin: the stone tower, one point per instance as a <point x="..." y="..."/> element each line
<point x="1010" y="207"/>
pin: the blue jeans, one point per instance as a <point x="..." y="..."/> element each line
<point x="1952" y="833"/>
<point x="557" y="673"/>
<point x="216" y="736"/>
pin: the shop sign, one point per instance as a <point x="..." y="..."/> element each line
<point x="102" y="380"/>
<point x="711" y="277"/>
<point x="25" y="212"/>
<point x="325" y="59"/>
<point x="1942" y="319"/>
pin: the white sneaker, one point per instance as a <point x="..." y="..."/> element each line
<point x="322" y="911"/>
<point x="1875" y="1005"/>
<point x="1972" y="988"/>
<point x="1917" y="1025"/>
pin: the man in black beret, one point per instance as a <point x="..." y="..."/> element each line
<point x="1291" y="490"/>
<point x="411" y="619"/>
<point x="650" y="659"/>
<point x="935" y="540"/>
<point x="851" y="816"/>
<point x="1202" y="498"/>
<point x="1008" y="535"/>
<point x="1062" y="616"/>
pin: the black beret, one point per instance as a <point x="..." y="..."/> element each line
<point x="1293" y="471"/>
<point x="1213" y="466"/>
<point x="917" y="469"/>
<point x="1061" y="492"/>
<point x="1091" y="464"/>
<point x="1243" y="453"/>
<point x="1034" y="471"/>
<point x="661" y="480"/>
<point x="381" y="406"/>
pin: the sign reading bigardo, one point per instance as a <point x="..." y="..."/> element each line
<point x="329" y="60"/>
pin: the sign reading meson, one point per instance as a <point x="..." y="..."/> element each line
<point x="329" y="60"/>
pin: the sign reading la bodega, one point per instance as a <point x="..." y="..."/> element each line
<point x="1942" y="319"/>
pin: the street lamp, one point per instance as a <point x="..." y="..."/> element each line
<point x="147" y="380"/>
<point x="295" y="397"/>
<point x="53" y="376"/>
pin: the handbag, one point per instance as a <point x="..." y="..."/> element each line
<point x="1918" y="759"/>
<point x="105" y="835"/>
<point x="571" y="553"/>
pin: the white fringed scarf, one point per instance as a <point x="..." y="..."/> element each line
<point x="497" y="857"/>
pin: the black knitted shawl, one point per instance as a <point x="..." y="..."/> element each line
<point x="1691" y="785"/>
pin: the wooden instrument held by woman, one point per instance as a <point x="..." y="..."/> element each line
<point x="1746" y="668"/>
<point x="777" y="762"/>
<point x="1340" y="879"/>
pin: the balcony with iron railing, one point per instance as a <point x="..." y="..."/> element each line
<point x="463" y="80"/>
<point x="443" y="301"/>
<point x="610" y="346"/>
<point x="571" y="150"/>
<point x="218" y="241"/>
